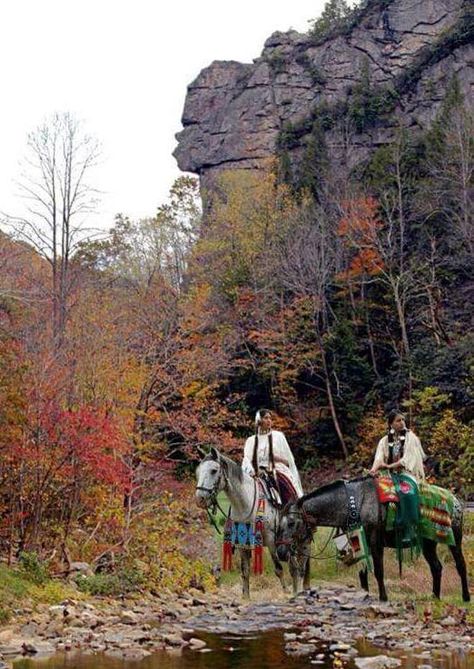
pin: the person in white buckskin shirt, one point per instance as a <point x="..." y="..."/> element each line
<point x="400" y="449"/>
<point x="267" y="453"/>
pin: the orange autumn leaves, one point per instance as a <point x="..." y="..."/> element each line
<point x="359" y="230"/>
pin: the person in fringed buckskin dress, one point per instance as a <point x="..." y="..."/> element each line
<point x="268" y="455"/>
<point x="400" y="449"/>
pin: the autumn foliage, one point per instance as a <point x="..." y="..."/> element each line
<point x="175" y="331"/>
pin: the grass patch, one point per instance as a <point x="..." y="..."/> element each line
<point x="18" y="589"/>
<point x="122" y="582"/>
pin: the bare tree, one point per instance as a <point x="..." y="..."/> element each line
<point x="58" y="197"/>
<point x="448" y="190"/>
<point x="444" y="202"/>
<point x="309" y="261"/>
<point x="154" y="249"/>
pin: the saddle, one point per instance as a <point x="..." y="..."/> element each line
<point x="279" y="488"/>
<point x="272" y="489"/>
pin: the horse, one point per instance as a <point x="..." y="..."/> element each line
<point x="328" y="506"/>
<point x="217" y="472"/>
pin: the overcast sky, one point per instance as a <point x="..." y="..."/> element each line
<point x="123" y="67"/>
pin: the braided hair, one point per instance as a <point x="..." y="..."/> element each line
<point x="391" y="435"/>
<point x="258" y="418"/>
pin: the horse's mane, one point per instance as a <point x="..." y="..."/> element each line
<point x="329" y="487"/>
<point x="233" y="468"/>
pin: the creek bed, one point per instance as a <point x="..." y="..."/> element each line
<point x="249" y="651"/>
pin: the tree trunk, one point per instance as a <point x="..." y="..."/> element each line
<point x="401" y="317"/>
<point x="330" y="396"/>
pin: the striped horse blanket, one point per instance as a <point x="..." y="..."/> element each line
<point x="435" y="505"/>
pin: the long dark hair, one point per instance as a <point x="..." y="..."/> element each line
<point x="390" y="418"/>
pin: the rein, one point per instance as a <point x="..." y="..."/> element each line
<point x="353" y="520"/>
<point x="214" y="491"/>
<point x="293" y="543"/>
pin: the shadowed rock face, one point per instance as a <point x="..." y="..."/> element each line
<point x="234" y="112"/>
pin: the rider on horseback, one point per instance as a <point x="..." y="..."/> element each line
<point x="400" y="450"/>
<point x="268" y="455"/>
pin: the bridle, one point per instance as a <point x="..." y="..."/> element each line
<point x="213" y="493"/>
<point x="300" y="537"/>
<point x="308" y="529"/>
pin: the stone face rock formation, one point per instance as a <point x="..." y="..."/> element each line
<point x="234" y="113"/>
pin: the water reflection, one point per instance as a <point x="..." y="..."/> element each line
<point x="265" y="651"/>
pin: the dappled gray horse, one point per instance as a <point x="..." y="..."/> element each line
<point x="328" y="506"/>
<point x="217" y="472"/>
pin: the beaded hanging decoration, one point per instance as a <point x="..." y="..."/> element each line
<point x="246" y="535"/>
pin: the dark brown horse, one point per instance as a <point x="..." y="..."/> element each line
<point x="328" y="506"/>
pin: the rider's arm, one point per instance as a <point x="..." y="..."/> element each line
<point x="248" y="454"/>
<point x="291" y="463"/>
<point x="379" y="460"/>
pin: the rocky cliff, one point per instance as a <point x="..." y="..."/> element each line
<point x="393" y="64"/>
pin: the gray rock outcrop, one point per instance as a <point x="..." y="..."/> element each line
<point x="234" y="112"/>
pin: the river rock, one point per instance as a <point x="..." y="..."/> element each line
<point x="196" y="601"/>
<point x="53" y="630"/>
<point x="113" y="652"/>
<point x="58" y="610"/>
<point x="187" y="634"/>
<point x="173" y="650"/>
<point x="12" y="646"/>
<point x="197" y="644"/>
<point x="135" y="654"/>
<point x="339" y="647"/>
<point x="299" y="649"/>
<point x="448" y="621"/>
<point x="377" y="662"/>
<point x="173" y="640"/>
<point x="129" y="618"/>
<point x="37" y="647"/>
<point x="380" y="611"/>
<point x="30" y="629"/>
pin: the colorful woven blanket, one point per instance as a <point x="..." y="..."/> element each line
<point x="246" y="535"/>
<point x="436" y="512"/>
<point x="435" y="505"/>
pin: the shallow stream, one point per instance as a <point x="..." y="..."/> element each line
<point x="252" y="651"/>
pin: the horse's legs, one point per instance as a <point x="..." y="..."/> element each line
<point x="364" y="579"/>
<point x="376" y="549"/>
<point x="460" y="562"/>
<point x="307" y="569"/>
<point x="296" y="576"/>
<point x="278" y="569"/>
<point x="245" y="555"/>
<point x="429" y="552"/>
<point x="300" y="568"/>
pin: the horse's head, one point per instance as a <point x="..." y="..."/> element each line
<point x="293" y="530"/>
<point x="210" y="476"/>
